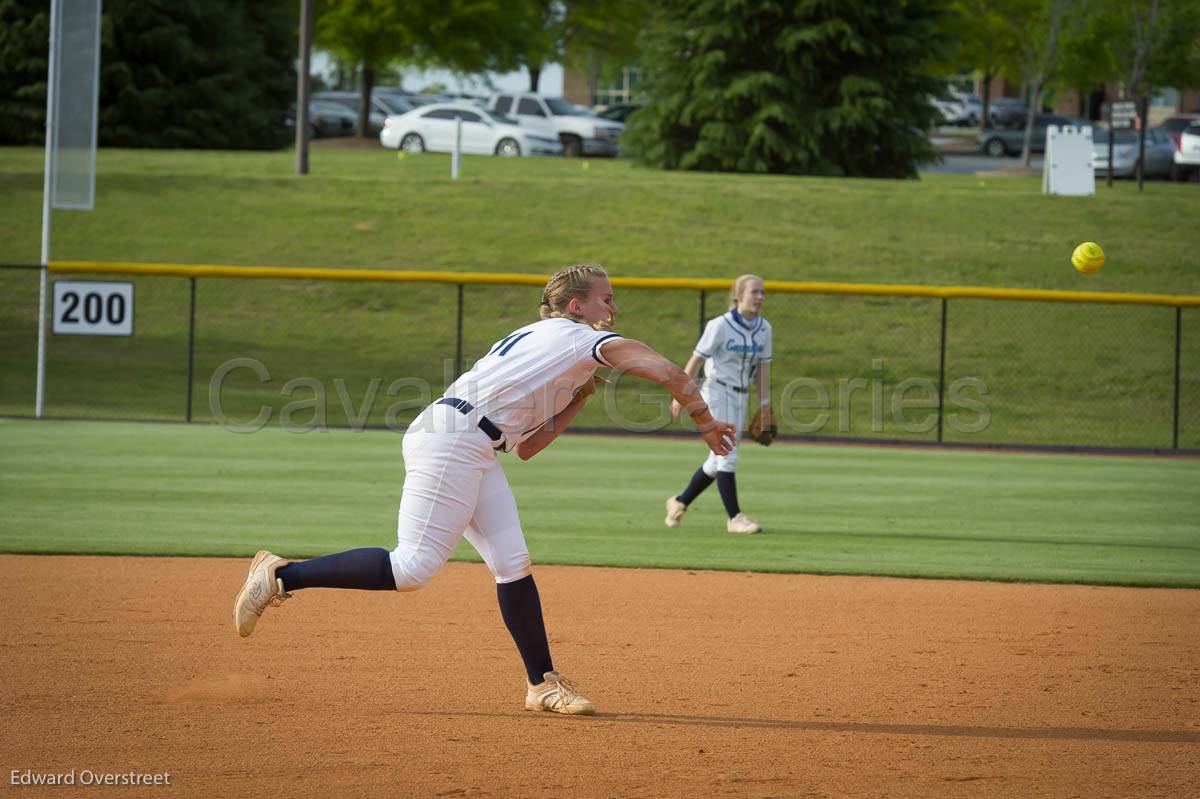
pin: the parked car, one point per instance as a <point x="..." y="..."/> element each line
<point x="999" y="142"/>
<point x="383" y="104"/>
<point x="1187" y="155"/>
<point x="947" y="113"/>
<point x="418" y="99"/>
<point x="1175" y="125"/>
<point x="464" y="97"/>
<point x="619" y="112"/>
<point x="974" y="107"/>
<point x="1006" y="111"/>
<point x="1160" y="151"/>
<point x="958" y="109"/>
<point x="433" y="127"/>
<point x="580" y="131"/>
<point x="325" y="120"/>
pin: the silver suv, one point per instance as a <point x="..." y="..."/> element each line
<point x="580" y="131"/>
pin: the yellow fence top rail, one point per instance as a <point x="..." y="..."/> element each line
<point x="513" y="279"/>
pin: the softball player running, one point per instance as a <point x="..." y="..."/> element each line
<point x="735" y="350"/>
<point x="518" y="397"/>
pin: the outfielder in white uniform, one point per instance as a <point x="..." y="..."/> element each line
<point x="518" y="397"/>
<point x="735" y="350"/>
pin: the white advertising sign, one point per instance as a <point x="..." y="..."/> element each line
<point x="1068" y="167"/>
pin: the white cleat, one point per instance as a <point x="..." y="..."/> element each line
<point x="556" y="695"/>
<point x="262" y="588"/>
<point x="743" y="524"/>
<point x="675" y="511"/>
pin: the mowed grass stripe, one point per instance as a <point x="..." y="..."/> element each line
<point x="119" y="488"/>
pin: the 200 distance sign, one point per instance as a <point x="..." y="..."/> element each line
<point x="93" y="308"/>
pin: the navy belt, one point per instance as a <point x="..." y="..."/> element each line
<point x="464" y="408"/>
<point x="738" y="389"/>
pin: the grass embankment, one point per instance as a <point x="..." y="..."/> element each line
<point x="1054" y="374"/>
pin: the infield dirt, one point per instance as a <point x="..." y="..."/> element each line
<point x="708" y="684"/>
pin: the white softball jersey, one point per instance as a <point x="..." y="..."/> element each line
<point x="732" y="348"/>
<point x="531" y="374"/>
<point x="454" y="485"/>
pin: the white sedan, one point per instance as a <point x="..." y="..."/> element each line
<point x="431" y="128"/>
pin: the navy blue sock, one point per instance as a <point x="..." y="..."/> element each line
<point x="369" y="569"/>
<point x="727" y="485"/>
<point x="521" y="608"/>
<point x="700" y="481"/>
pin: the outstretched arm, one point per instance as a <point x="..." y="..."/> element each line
<point x="633" y="357"/>
<point x="692" y="367"/>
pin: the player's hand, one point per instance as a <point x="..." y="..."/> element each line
<point x="676" y="409"/>
<point x="720" y="437"/>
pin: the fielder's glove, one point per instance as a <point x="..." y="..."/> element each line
<point x="762" y="428"/>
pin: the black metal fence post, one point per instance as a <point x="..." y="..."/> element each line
<point x="191" y="344"/>
<point x="1178" y="345"/>
<point x="458" y="335"/>
<point x="942" y="374"/>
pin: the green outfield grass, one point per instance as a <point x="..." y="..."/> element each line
<point x="155" y="489"/>
<point x="365" y="208"/>
<point x="1080" y="375"/>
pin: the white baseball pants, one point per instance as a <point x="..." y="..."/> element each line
<point x="726" y="405"/>
<point x="454" y="486"/>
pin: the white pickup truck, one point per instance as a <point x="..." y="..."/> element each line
<point x="580" y="131"/>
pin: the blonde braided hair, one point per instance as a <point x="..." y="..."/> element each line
<point x="569" y="283"/>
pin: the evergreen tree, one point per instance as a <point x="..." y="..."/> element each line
<point x="214" y="74"/>
<point x="24" y="45"/>
<point x="810" y="87"/>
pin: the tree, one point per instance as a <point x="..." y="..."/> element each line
<point x="207" y="73"/>
<point x="811" y="88"/>
<point x="462" y="35"/>
<point x="1154" y="43"/>
<point x="542" y="34"/>
<point x="986" y="42"/>
<point x="1086" y="61"/>
<point x="216" y="74"/>
<point x="582" y="34"/>
<point x="369" y="33"/>
<point x="24" y="51"/>
<point x="1042" y="23"/>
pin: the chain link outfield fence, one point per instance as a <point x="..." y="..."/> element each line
<point x="331" y="348"/>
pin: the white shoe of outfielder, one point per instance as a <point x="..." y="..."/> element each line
<point x="262" y="589"/>
<point x="743" y="524"/>
<point x="675" y="511"/>
<point x="556" y="695"/>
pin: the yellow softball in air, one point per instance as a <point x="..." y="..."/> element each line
<point x="1088" y="257"/>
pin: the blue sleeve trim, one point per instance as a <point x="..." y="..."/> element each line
<point x="596" y="348"/>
